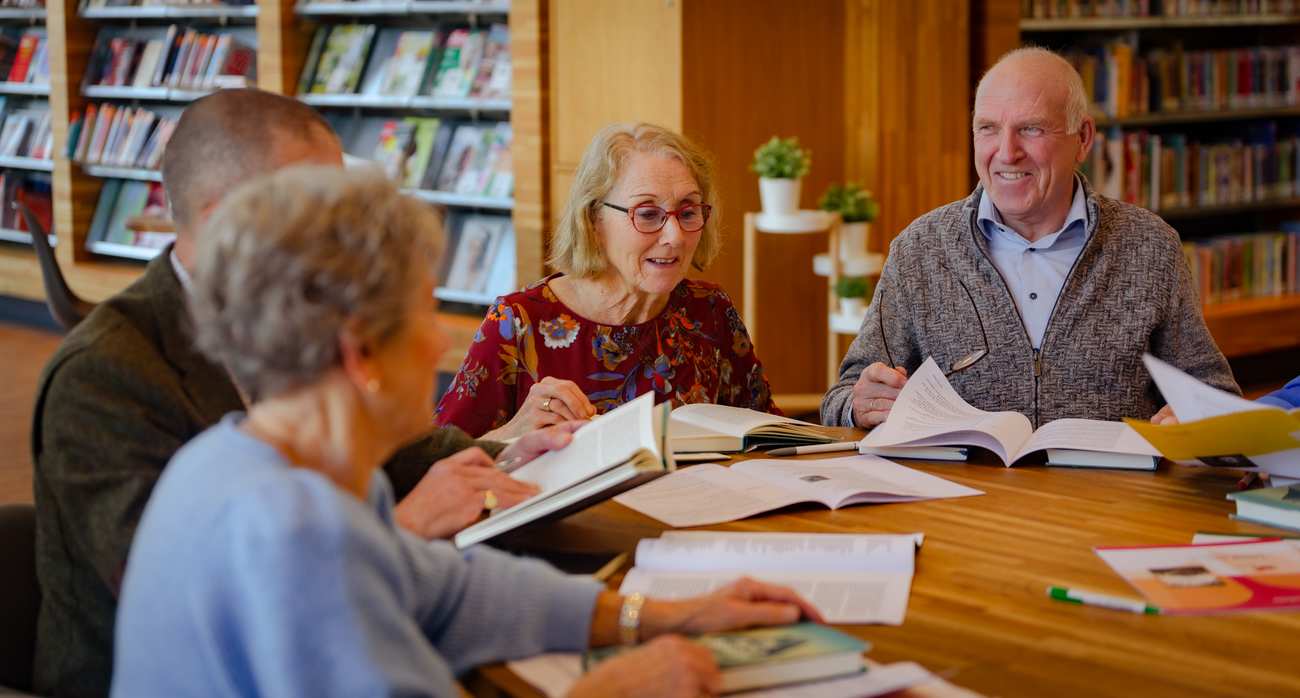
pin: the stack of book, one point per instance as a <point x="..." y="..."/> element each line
<point x="1171" y="170"/>
<point x="470" y="159"/>
<point x="1072" y="9"/>
<point x="130" y="216"/>
<point x="120" y="136"/>
<point x="177" y="57"/>
<point x="26" y="132"/>
<point x="402" y="63"/>
<point x="25" y="57"/>
<point x="1249" y="265"/>
<point x="1122" y="82"/>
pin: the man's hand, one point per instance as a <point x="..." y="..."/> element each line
<point x="670" y="666"/>
<point x="550" y="401"/>
<point x="874" y="393"/>
<point x="1165" y="416"/>
<point x="451" y="495"/>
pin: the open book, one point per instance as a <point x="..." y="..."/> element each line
<point x="702" y="427"/>
<point x="928" y="412"/>
<point x="1219" y="428"/>
<point x="624" y="448"/>
<point x="709" y="494"/>
<point x="850" y="578"/>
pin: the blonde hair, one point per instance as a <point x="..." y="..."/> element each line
<point x="575" y="246"/>
<point x="290" y="259"/>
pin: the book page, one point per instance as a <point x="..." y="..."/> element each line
<point x="1191" y="399"/>
<point x="859" y="479"/>
<point x="1087" y="435"/>
<point x="842" y="597"/>
<point x="705" y="494"/>
<point x="596" y="447"/>
<point x="732" y="421"/>
<point x="702" y="551"/>
<point x="928" y="412"/>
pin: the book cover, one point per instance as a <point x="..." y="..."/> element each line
<point x="492" y="79"/>
<point x="424" y="138"/>
<point x="22" y="60"/>
<point x="130" y="202"/>
<point x="476" y="248"/>
<point x="1258" y="575"/>
<point x="313" y="57"/>
<point x="404" y="70"/>
<point x="460" y="154"/>
<point x="460" y="60"/>
<point x="343" y="59"/>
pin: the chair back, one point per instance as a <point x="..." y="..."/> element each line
<point x="66" y="308"/>
<point x="20" y="595"/>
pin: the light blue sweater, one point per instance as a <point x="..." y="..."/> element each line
<point x="248" y="577"/>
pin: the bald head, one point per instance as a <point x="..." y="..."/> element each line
<point x="1048" y="72"/>
<point x="229" y="137"/>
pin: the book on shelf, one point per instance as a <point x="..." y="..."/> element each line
<point x="622" y="449"/>
<point x="132" y="214"/>
<point x="343" y="57"/>
<point x="122" y="136"/>
<point x="167" y="3"/>
<point x="399" y="63"/>
<point x="1078" y="9"/>
<point x="765" y="657"/>
<point x="480" y="264"/>
<point x="704" y="428"/>
<point x="27" y="132"/>
<point x="471" y="159"/>
<point x="929" y="412"/>
<point x="31" y="188"/>
<point x="478" y="161"/>
<point x="1270" y="506"/>
<point x="848" y="577"/>
<point x="174" y="57"/>
<point x="31" y="60"/>
<point x="1248" y="265"/>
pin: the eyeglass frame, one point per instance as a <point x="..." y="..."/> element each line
<point x="880" y="317"/>
<point x="631" y="215"/>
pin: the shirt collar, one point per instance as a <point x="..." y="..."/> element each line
<point x="181" y="274"/>
<point x="990" y="220"/>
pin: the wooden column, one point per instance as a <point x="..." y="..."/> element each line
<point x="530" y="123"/>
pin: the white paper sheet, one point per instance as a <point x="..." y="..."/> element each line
<point x="704" y="551"/>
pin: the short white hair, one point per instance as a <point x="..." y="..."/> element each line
<point x="1076" y="97"/>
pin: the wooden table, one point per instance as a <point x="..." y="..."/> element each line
<point x="979" y="614"/>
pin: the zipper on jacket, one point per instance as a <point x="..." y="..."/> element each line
<point x="1038" y="371"/>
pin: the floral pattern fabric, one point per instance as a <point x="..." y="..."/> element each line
<point x="696" y="350"/>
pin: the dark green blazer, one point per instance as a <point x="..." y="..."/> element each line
<point x="123" y="392"/>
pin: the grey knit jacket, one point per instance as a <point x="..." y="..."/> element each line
<point x="1130" y="292"/>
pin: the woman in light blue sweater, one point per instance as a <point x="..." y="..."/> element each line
<point x="267" y="561"/>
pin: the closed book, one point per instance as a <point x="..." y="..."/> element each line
<point x="702" y="427"/>
<point x="761" y="657"/>
<point x="1274" y="506"/>
<point x="23" y="59"/>
<point x="313" y="57"/>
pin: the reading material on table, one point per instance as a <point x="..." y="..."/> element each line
<point x="850" y="578"/>
<point x="1219" y="428"/>
<point x="1272" y="506"/>
<point x="709" y="494"/>
<point x="624" y="448"/>
<point x="771" y="656"/>
<point x="704" y="427"/>
<point x="1213" y="577"/>
<point x="928" y="412"/>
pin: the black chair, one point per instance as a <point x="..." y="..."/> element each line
<point x="20" y="596"/>
<point x="66" y="307"/>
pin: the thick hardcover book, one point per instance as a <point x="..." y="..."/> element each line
<point x="1274" y="506"/>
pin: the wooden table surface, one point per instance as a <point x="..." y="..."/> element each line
<point x="979" y="614"/>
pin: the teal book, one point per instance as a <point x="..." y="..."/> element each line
<point x="1273" y="506"/>
<point x="762" y="657"/>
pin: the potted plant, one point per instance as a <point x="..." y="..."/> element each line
<point x="780" y="164"/>
<point x="852" y="292"/>
<point x="856" y="209"/>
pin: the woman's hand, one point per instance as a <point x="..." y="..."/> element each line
<point x="670" y="666"/>
<point x="1165" y="416"/>
<point x="744" y="603"/>
<point x="452" y="494"/>
<point x="535" y="443"/>
<point x="550" y="401"/>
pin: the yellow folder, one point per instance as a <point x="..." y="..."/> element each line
<point x="1249" y="433"/>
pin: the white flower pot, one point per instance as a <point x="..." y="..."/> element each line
<point x="780" y="197"/>
<point x="853" y="240"/>
<point x="852" y="307"/>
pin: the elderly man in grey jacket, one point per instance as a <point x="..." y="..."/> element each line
<point x="1037" y="294"/>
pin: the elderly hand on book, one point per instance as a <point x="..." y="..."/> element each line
<point x="550" y="401"/>
<point x="874" y="393"/>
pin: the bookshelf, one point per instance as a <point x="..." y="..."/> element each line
<point x="1193" y="104"/>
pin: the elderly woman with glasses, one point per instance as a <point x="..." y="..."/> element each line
<point x="619" y="318"/>
<point x="268" y="561"/>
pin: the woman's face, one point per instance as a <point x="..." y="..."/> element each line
<point x="650" y="263"/>
<point x="408" y="364"/>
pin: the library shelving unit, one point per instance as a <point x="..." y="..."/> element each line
<point x="1242" y="327"/>
<point x="17" y="19"/>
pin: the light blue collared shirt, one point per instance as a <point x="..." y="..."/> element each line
<point x="1035" y="272"/>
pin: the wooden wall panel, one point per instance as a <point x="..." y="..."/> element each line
<point x="754" y="69"/>
<point x="282" y="43"/>
<point x="529" y="120"/>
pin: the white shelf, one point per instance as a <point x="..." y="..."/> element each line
<point x="469" y="104"/>
<point x="171" y="11"/>
<point x="113" y="249"/>
<point x="846" y="324"/>
<point x="453" y="295"/>
<point x="869" y="265"/>
<point x="23" y="237"/>
<point x="1126" y="23"/>
<point x="24" y="88"/>
<point x="449" y="199"/>
<point x="27" y="13"/>
<point x="22" y="163"/>
<point x="797" y="223"/>
<point x="110" y="172"/>
<point x="405" y="7"/>
<point x="151" y="94"/>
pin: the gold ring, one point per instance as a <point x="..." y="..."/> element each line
<point x="546" y="405"/>
<point x="490" y="500"/>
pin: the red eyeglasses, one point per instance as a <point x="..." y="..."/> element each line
<point x="649" y="218"/>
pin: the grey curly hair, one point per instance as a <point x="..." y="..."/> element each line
<point x="288" y="261"/>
